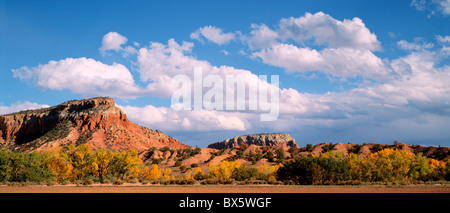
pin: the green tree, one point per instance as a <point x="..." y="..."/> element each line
<point x="292" y="152"/>
<point x="239" y="154"/>
<point x="36" y="169"/>
<point x="309" y="147"/>
<point x="280" y="155"/>
<point x="447" y="171"/>
<point x="244" y="173"/>
<point x="5" y="165"/>
<point x="314" y="171"/>
<point x="21" y="167"/>
<point x="270" y="156"/>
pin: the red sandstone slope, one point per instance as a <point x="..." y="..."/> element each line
<point x="96" y="122"/>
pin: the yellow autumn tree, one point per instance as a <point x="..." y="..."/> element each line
<point x="126" y="165"/>
<point x="388" y="165"/>
<point x="335" y="155"/>
<point x="195" y="174"/>
<point x="358" y="167"/>
<point x="104" y="159"/>
<point x="188" y="176"/>
<point x="132" y="163"/>
<point x="224" y="170"/>
<point x="59" y="163"/>
<point x="81" y="158"/>
<point x="265" y="171"/>
<point x="437" y="169"/>
<point x="167" y="174"/>
<point x="198" y="174"/>
<point x="154" y="173"/>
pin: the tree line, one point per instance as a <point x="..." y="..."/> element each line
<point x="81" y="165"/>
<point x="385" y="166"/>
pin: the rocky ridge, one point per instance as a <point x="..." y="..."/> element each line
<point x="272" y="139"/>
<point x="96" y="122"/>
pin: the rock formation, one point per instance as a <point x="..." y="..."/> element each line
<point x="96" y="122"/>
<point x="274" y="139"/>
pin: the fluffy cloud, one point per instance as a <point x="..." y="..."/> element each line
<point x="159" y="64"/>
<point x="213" y="34"/>
<point x="261" y="37"/>
<point x="82" y="76"/>
<point x="321" y="28"/>
<point x="114" y="41"/>
<point x="198" y="120"/>
<point x="20" y="106"/>
<point x="342" y="62"/>
<point x="325" y="30"/>
<point x="347" y="46"/>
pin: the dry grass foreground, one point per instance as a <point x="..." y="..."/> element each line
<point x="224" y="189"/>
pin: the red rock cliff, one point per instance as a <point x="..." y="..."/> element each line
<point x="97" y="122"/>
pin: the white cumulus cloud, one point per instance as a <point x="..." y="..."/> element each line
<point x="342" y="62"/>
<point x="213" y="34"/>
<point x="341" y="48"/>
<point x="261" y="37"/>
<point x="199" y="120"/>
<point x="82" y="76"/>
<point x="325" y="30"/>
<point x="114" y="41"/>
<point x="20" y="106"/>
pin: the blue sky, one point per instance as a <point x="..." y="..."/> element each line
<point x="350" y="71"/>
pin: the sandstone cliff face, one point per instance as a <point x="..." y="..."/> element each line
<point x="274" y="139"/>
<point x="97" y="122"/>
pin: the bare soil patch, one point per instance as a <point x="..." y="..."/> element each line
<point x="224" y="189"/>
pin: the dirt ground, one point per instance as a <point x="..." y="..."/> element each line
<point x="224" y="189"/>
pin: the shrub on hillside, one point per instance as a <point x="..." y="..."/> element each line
<point x="280" y="155"/>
